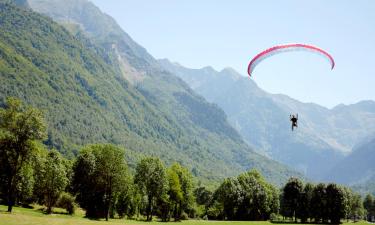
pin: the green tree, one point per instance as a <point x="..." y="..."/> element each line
<point x="369" y="205"/>
<point x="203" y="197"/>
<point x="291" y="196"/>
<point x="174" y="191"/>
<point x="186" y="181"/>
<point x="349" y="202"/>
<point x="258" y="198"/>
<point x="20" y="127"/>
<point x="25" y="185"/>
<point x="356" y="207"/>
<point x="247" y="197"/>
<point x="99" y="173"/>
<point x="151" y="179"/>
<point x="304" y="206"/>
<point x="228" y="196"/>
<point x="126" y="203"/>
<point x="53" y="180"/>
<point x="319" y="203"/>
<point x="335" y="206"/>
<point x="88" y="194"/>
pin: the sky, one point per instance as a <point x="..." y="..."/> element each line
<point x="224" y="33"/>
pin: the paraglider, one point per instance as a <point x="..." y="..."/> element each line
<point x="294" y="120"/>
<point x="286" y="48"/>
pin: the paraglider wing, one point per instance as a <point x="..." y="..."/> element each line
<point x="287" y="47"/>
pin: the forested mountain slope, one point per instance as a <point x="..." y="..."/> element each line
<point x="83" y="90"/>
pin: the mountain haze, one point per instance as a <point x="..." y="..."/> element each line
<point x="356" y="168"/>
<point x="100" y="86"/>
<point x="323" y="138"/>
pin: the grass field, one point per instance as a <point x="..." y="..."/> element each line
<point x="22" y="216"/>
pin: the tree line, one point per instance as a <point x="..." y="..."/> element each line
<point x="99" y="181"/>
<point x="320" y="203"/>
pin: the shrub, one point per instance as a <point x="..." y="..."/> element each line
<point x="184" y="216"/>
<point x="273" y="217"/>
<point x="66" y="201"/>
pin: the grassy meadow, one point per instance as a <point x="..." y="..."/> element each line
<point x="23" y="216"/>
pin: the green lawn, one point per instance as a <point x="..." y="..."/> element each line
<point x="22" y="216"/>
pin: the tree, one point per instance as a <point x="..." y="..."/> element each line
<point x="247" y="197"/>
<point x="356" y="207"/>
<point x="228" y="195"/>
<point x="291" y="196"/>
<point x="98" y="174"/>
<point x="258" y="198"/>
<point x="84" y="186"/>
<point x="25" y="185"/>
<point x="319" y="203"/>
<point x="150" y="178"/>
<point x="369" y="205"/>
<point x="203" y="197"/>
<point x="126" y="204"/>
<point x="20" y="128"/>
<point x="304" y="206"/>
<point x="52" y="180"/>
<point x="349" y="203"/>
<point x="174" y="191"/>
<point x="186" y="181"/>
<point x="335" y="203"/>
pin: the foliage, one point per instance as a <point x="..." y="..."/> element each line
<point x="369" y="205"/>
<point x="335" y="205"/>
<point x="185" y="178"/>
<point x="150" y="178"/>
<point x="247" y="197"/>
<point x="131" y="100"/>
<point x="99" y="173"/>
<point x="203" y="197"/>
<point x="292" y="197"/>
<point x="67" y="202"/>
<point x="51" y="180"/>
<point x="304" y="207"/>
<point x="175" y="192"/>
<point x="20" y="127"/>
<point x="321" y="202"/>
<point x="128" y="199"/>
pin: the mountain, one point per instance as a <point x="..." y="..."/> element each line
<point x="323" y="138"/>
<point x="358" y="167"/>
<point x="86" y="88"/>
<point x="20" y="3"/>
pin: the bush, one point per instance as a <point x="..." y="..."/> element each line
<point x="184" y="216"/>
<point x="274" y="217"/>
<point x="66" y="201"/>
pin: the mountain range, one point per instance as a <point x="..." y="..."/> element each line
<point x="95" y="84"/>
<point x="322" y="141"/>
<point x="358" y="167"/>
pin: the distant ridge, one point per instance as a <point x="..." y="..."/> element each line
<point x="323" y="139"/>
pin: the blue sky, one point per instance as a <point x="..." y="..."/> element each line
<point x="223" y="33"/>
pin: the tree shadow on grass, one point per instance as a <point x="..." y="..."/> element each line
<point x="293" y="222"/>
